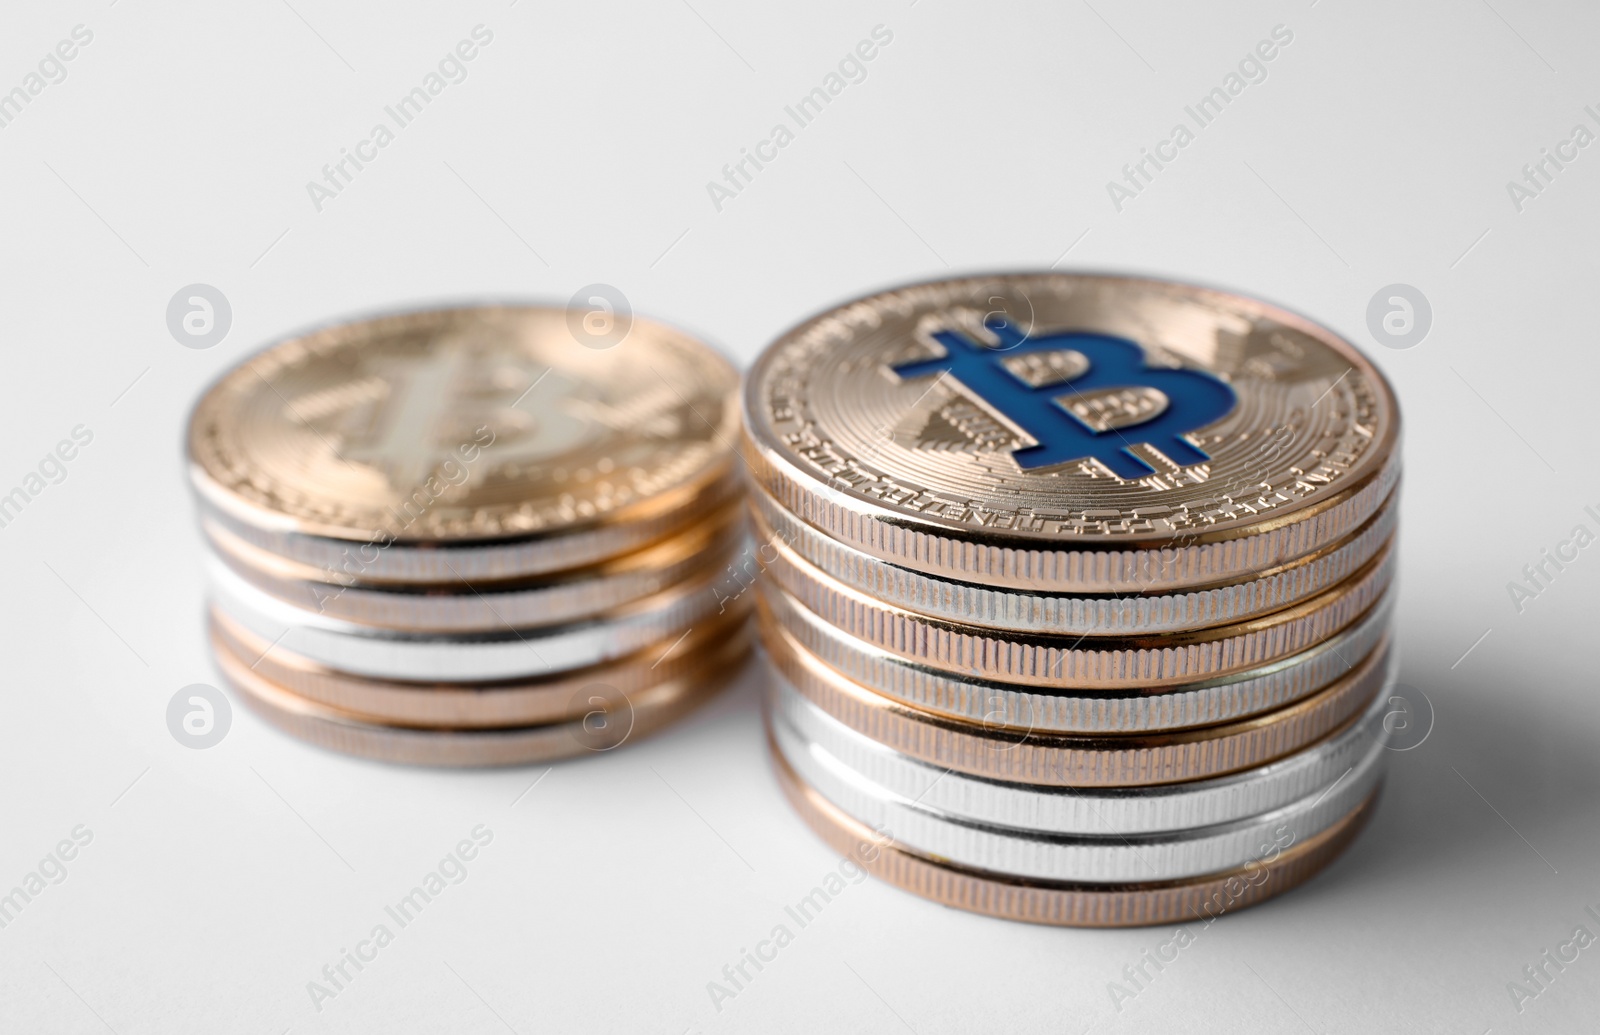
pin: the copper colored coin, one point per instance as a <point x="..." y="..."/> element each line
<point x="1071" y="433"/>
<point x="1083" y="662"/>
<point x="487" y="705"/>
<point x="1056" y="759"/>
<point x="472" y="443"/>
<point x="609" y="720"/>
<point x="545" y="600"/>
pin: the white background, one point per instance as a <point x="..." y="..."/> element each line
<point x="219" y="882"/>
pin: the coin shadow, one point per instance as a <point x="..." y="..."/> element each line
<point x="1498" y="768"/>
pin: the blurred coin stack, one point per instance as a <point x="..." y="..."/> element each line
<point x="1078" y="589"/>
<point x="473" y="536"/>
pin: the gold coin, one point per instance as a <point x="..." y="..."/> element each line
<point x="1209" y="702"/>
<point x="1072" y="433"/>
<point x="1076" y="614"/>
<point x="542" y="600"/>
<point x="1081" y="662"/>
<point x="1076" y="760"/>
<point x="1063" y="904"/>
<point x="487" y="705"/>
<point x="464" y="444"/>
<point x="612" y="718"/>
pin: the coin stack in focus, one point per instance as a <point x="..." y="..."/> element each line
<point x="473" y="536"/>
<point x="1078" y="590"/>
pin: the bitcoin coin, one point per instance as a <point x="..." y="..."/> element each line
<point x="505" y="653"/>
<point x="1068" y="760"/>
<point x="1070" y="433"/>
<point x="543" y="600"/>
<point x="614" y="721"/>
<point x="996" y="705"/>
<point x="1075" y="904"/>
<point x="798" y="726"/>
<point x="482" y="705"/>
<point x="1080" y="614"/>
<point x="1033" y="854"/>
<point x="1042" y="659"/>
<point x="466" y="444"/>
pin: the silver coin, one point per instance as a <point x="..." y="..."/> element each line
<point x="382" y="559"/>
<point x="1105" y="858"/>
<point x="509" y="653"/>
<point x="800" y="726"/>
<point x="1080" y="614"/>
<point x="1007" y="705"/>
<point x="490" y="606"/>
<point x="1054" y="660"/>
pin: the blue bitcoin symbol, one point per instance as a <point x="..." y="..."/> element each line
<point x="1194" y="398"/>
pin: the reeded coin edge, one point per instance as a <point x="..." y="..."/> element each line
<point x="478" y="656"/>
<point x="1042" y="659"/>
<point x="990" y="555"/>
<point x="382" y="558"/>
<point x="476" y="705"/>
<point x="487" y="607"/>
<point x="1150" y="810"/>
<point x="1103" y="614"/>
<point x="1064" y="904"/>
<point x="1209" y="702"/>
<point x="1103" y="760"/>
<point x="323" y="727"/>
<point x="788" y="482"/>
<point x="266" y="360"/>
<point x="1069" y="857"/>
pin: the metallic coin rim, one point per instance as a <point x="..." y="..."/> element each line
<point x="465" y="657"/>
<point x="476" y="607"/>
<point x="1087" y="858"/>
<point x="1067" y="760"/>
<point x="1102" y="663"/>
<point x="1052" y="709"/>
<point x="1133" y="614"/>
<point x="641" y="511"/>
<point x="1159" y="809"/>
<point x="652" y="710"/>
<point x="1064" y="904"/>
<point x="450" y="561"/>
<point x="1138" y="561"/>
<point x="486" y="705"/>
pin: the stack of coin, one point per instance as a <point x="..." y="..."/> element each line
<point x="1077" y="589"/>
<point x="473" y="536"/>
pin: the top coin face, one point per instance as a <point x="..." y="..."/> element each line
<point x="460" y="426"/>
<point x="1072" y="432"/>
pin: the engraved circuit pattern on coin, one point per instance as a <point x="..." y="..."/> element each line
<point x="461" y="428"/>
<point x="1133" y="436"/>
